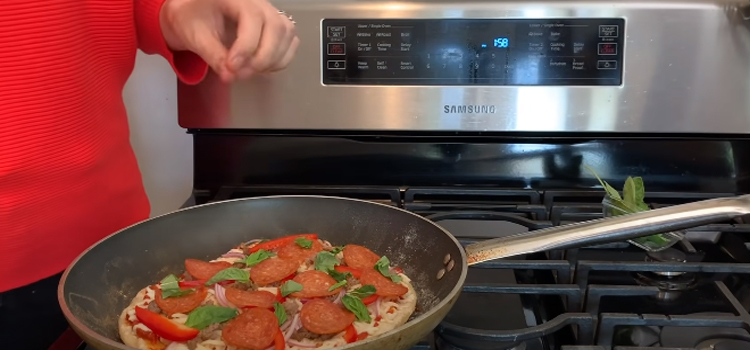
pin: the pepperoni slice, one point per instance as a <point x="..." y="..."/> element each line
<point x="383" y="285"/>
<point x="204" y="270"/>
<point x="254" y="329"/>
<point x="359" y="257"/>
<point x="296" y="253"/>
<point x="272" y="270"/>
<point x="315" y="284"/>
<point x="182" y="304"/>
<point x="241" y="298"/>
<point x="322" y="316"/>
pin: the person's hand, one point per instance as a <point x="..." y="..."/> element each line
<point x="265" y="38"/>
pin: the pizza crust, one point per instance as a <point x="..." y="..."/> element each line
<point x="128" y="331"/>
<point x="405" y="307"/>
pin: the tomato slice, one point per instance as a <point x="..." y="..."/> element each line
<point x="280" y="242"/>
<point x="351" y="334"/>
<point x="281" y="299"/>
<point x="278" y="341"/>
<point x="344" y="269"/>
<point x="253" y="307"/>
<point x="398" y="270"/>
<point x="188" y="284"/>
<point x="164" y="327"/>
<point x="362" y="336"/>
<point x="371" y="299"/>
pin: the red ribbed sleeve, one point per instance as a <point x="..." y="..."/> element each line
<point x="68" y="174"/>
<point x="190" y="68"/>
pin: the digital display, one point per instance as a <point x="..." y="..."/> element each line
<point x="472" y="51"/>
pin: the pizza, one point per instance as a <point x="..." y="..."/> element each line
<point x="295" y="292"/>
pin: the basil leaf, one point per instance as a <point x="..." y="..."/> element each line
<point x="357" y="307"/>
<point x="337" y="285"/>
<point x="304" y="242"/>
<point x="364" y="291"/>
<point x="280" y="313"/>
<point x="339" y="276"/>
<point x="289" y="287"/>
<point x="230" y="274"/>
<point x="325" y="261"/>
<point x="611" y="191"/>
<point x="628" y="192"/>
<point x="336" y="250"/>
<point x="384" y="267"/>
<point x="204" y="316"/>
<point x="255" y="258"/>
<point x="170" y="287"/>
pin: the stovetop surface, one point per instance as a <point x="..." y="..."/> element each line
<point x="608" y="297"/>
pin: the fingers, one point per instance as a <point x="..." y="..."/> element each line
<point x="288" y="56"/>
<point x="250" y="25"/>
<point x="212" y="50"/>
<point x="266" y="40"/>
<point x="278" y="33"/>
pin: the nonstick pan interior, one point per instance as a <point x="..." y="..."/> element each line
<point x="104" y="279"/>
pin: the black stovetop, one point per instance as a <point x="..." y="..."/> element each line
<point x="608" y="297"/>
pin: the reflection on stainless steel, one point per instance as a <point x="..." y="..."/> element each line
<point x="611" y="229"/>
<point x="685" y="70"/>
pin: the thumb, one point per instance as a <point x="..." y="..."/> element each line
<point x="212" y="50"/>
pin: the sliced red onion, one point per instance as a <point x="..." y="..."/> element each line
<point x="286" y="324"/>
<point x="293" y="327"/>
<point x="341" y="295"/>
<point x="233" y="255"/>
<point x="374" y="308"/>
<point x="300" y="345"/>
<point x="221" y="296"/>
<point x="254" y="241"/>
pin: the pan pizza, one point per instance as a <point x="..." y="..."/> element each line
<point x="291" y="293"/>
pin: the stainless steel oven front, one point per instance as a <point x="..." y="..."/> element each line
<point x="496" y="66"/>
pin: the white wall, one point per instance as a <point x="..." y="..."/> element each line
<point x="163" y="149"/>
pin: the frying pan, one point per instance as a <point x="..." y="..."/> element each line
<point x="101" y="282"/>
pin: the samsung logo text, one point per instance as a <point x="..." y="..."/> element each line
<point x="469" y="109"/>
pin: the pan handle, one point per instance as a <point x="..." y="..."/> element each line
<point x="616" y="228"/>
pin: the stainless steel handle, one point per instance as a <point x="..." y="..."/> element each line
<point x="617" y="228"/>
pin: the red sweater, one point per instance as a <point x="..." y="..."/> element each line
<point x="68" y="175"/>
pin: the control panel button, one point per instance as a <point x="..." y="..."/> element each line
<point x="606" y="64"/>
<point x="607" y="49"/>
<point x="336" y="32"/>
<point x="336" y="64"/>
<point x="609" y="31"/>
<point x="336" y="49"/>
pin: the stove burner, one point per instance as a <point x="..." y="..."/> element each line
<point x="723" y="344"/>
<point x="669" y="287"/>
<point x="442" y="344"/>
<point x="667" y="255"/>
<point x="670" y="284"/>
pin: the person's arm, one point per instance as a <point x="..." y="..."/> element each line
<point x="190" y="68"/>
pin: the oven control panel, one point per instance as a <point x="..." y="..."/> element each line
<point x="504" y="52"/>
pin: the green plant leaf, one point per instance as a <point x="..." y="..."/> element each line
<point x="628" y="192"/>
<point x="611" y="191"/>
<point x="640" y="191"/>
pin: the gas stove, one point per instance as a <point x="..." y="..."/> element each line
<point x="614" y="296"/>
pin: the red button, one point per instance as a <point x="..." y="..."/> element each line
<point x="337" y="49"/>
<point x="607" y="49"/>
